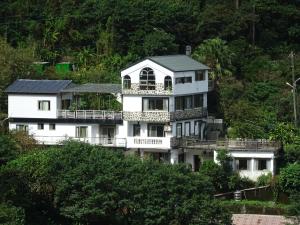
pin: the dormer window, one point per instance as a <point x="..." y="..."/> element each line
<point x="147" y="79"/>
<point x="126" y="82"/>
<point x="168" y="83"/>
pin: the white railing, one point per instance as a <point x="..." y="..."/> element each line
<point x="58" y="140"/>
<point x="246" y="144"/>
<point x="89" y="114"/>
<point x="149" y="142"/>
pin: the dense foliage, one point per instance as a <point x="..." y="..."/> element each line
<point x="84" y="184"/>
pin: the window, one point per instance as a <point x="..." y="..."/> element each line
<point x="44" y="105"/>
<point x="152" y="104"/>
<point x="81" y="132"/>
<point x="242" y="164"/>
<point x="198" y="101"/>
<point x="168" y="83"/>
<point x="199" y="75"/>
<point x="179" y="130"/>
<point x="147" y="79"/>
<point x="261" y="164"/>
<point x="179" y="103"/>
<point x="52" y="126"/>
<point x="65" y="103"/>
<point x="21" y="127"/>
<point x="127" y="82"/>
<point x="187" y="129"/>
<point x="182" y="80"/>
<point x="40" y="126"/>
<point x="155" y="130"/>
<point x="136" y="130"/>
<point x="188" y="103"/>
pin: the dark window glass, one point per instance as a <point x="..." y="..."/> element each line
<point x="136" y="129"/>
<point x="179" y="130"/>
<point x="155" y="130"/>
<point x="168" y="83"/>
<point x="182" y="80"/>
<point x="243" y="164"/>
<point x="52" y="126"/>
<point x="188" y="103"/>
<point x="198" y="101"/>
<point x="127" y="82"/>
<point x="179" y="103"/>
<point x="151" y="104"/>
<point x="262" y="164"/>
<point x="40" y="126"/>
<point x="199" y="75"/>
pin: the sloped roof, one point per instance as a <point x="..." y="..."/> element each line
<point x="177" y="63"/>
<point x="94" y="88"/>
<point x="37" y="86"/>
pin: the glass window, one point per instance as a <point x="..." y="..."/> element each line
<point x="21" y="127"/>
<point x="242" y="164"/>
<point x="168" y="83"/>
<point x="81" y="132"/>
<point x="52" y="126"/>
<point x="136" y="130"/>
<point x="179" y="103"/>
<point x="65" y="103"/>
<point x="261" y="164"/>
<point x="127" y="82"/>
<point x="182" y="80"/>
<point x="152" y="104"/>
<point x="187" y="129"/>
<point x="199" y="75"/>
<point x="40" y="126"/>
<point x="44" y="105"/>
<point x="198" y="101"/>
<point x="179" y="130"/>
<point x="155" y="130"/>
<point x="188" y="103"/>
<point x="147" y="79"/>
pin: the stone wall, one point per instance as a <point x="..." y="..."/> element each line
<point x="189" y="114"/>
<point x="147" y="116"/>
<point x="135" y="90"/>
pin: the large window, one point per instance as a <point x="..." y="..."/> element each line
<point x="153" y="104"/>
<point x="40" y="126"/>
<point x="21" y="127"/>
<point x="199" y="75"/>
<point x="81" y="132"/>
<point x="179" y="130"/>
<point x="126" y="82"/>
<point x="147" y="79"/>
<point x="156" y="130"/>
<point x="168" y="83"/>
<point x="183" y="80"/>
<point x="263" y="164"/>
<point x="44" y="105"/>
<point x="52" y="126"/>
<point x="243" y="164"/>
<point x="188" y="102"/>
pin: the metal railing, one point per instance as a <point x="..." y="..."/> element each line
<point x="89" y="114"/>
<point x="246" y="144"/>
<point x="58" y="140"/>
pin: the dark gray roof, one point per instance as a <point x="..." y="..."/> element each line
<point x="178" y="63"/>
<point x="94" y="88"/>
<point x="37" y="86"/>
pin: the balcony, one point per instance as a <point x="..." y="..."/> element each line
<point x="153" y="116"/>
<point x="58" y="140"/>
<point x="157" y="89"/>
<point x="89" y="114"/>
<point x="149" y="142"/>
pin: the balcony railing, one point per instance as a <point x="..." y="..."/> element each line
<point x="156" y="89"/>
<point x="149" y="142"/>
<point x="58" y="140"/>
<point x="189" y="114"/>
<point x="250" y="145"/>
<point x="153" y="116"/>
<point x="89" y="114"/>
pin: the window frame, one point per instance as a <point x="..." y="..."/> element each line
<point x="41" y="105"/>
<point x="238" y="167"/>
<point x="155" y="125"/>
<point x="199" y="73"/>
<point x="52" y="126"/>
<point x="259" y="165"/>
<point x="183" y="80"/>
<point x="134" y="127"/>
<point x="147" y="84"/>
<point x="24" y="128"/>
<point x="40" y="126"/>
<point x="168" y="83"/>
<point x="165" y="101"/>
<point x="126" y="82"/>
<point x="178" y="125"/>
<point x="78" y="131"/>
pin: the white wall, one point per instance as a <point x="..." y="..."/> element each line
<point x="26" y="106"/>
<point x="132" y="103"/>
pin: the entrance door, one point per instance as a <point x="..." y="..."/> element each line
<point x="108" y="135"/>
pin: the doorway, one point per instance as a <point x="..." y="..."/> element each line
<point x="107" y="135"/>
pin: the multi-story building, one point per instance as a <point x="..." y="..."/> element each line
<point x="164" y="107"/>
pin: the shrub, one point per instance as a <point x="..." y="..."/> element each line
<point x="264" y="180"/>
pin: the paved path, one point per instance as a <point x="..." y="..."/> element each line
<point x="253" y="219"/>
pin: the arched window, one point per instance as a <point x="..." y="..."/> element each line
<point x="168" y="83"/>
<point x="126" y="82"/>
<point x="147" y="79"/>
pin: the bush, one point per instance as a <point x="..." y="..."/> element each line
<point x="11" y="215"/>
<point x="290" y="178"/>
<point x="292" y="153"/>
<point x="264" y="180"/>
<point x="9" y="149"/>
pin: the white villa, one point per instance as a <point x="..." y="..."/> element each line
<point x="164" y="107"/>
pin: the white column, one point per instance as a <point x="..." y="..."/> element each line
<point x="174" y="156"/>
<point x="272" y="166"/>
<point x="252" y="166"/>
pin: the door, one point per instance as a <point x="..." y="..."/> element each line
<point x="197" y="162"/>
<point x="108" y="135"/>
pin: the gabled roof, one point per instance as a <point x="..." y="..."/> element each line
<point x="94" y="88"/>
<point x="175" y="63"/>
<point x="178" y="63"/>
<point x="37" y="86"/>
